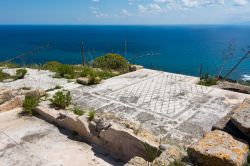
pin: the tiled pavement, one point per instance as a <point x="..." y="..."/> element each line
<point x="170" y="105"/>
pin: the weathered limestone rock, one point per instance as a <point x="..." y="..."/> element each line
<point x="170" y="154"/>
<point x="136" y="161"/>
<point x="5" y="95"/>
<point x="116" y="140"/>
<point x="234" y="87"/>
<point x="135" y="67"/>
<point x="12" y="104"/>
<point x="225" y="124"/>
<point x="8" y="80"/>
<point x="82" y="80"/>
<point x="241" y="120"/>
<point x="218" y="148"/>
<point x="33" y="92"/>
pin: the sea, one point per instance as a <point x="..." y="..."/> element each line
<point x="183" y="49"/>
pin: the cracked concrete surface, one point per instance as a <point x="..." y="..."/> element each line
<point x="30" y="141"/>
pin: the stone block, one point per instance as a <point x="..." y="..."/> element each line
<point x="218" y="148"/>
<point x="241" y="120"/>
<point x="83" y="80"/>
<point x="11" y="104"/>
<point x="5" y="95"/>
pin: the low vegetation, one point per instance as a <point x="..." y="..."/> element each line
<point x="95" y="75"/>
<point x="4" y="76"/>
<point x="77" y="111"/>
<point x="103" y="67"/>
<point x="208" y="81"/>
<point x="20" y="73"/>
<point x="29" y="105"/>
<point x="248" y="158"/>
<point x="61" y="99"/>
<point x="151" y="152"/>
<point x="112" y="62"/>
<point x="9" y="65"/>
<point x="91" y="115"/>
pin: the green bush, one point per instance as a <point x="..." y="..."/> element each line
<point x="66" y="71"/>
<point x="91" y="115"/>
<point x="88" y="71"/>
<point x="20" y="73"/>
<point x="95" y="75"/>
<point x="9" y="65"/>
<point x="29" y="105"/>
<point x="4" y="76"/>
<point x="208" y="82"/>
<point x="61" y="99"/>
<point x="51" y="66"/>
<point x="111" y="62"/>
<point x="78" y="111"/>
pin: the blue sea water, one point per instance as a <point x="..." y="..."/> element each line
<point x="179" y="49"/>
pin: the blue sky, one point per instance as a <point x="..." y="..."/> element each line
<point x="124" y="12"/>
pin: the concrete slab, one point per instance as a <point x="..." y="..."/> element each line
<point x="28" y="141"/>
<point x="170" y="105"/>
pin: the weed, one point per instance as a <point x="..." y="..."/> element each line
<point x="91" y="115"/>
<point x="9" y="65"/>
<point x="78" y="111"/>
<point x="20" y="73"/>
<point x="177" y="162"/>
<point x="66" y="71"/>
<point x="208" y="82"/>
<point x="51" y="66"/>
<point x="4" y="76"/>
<point x="137" y="130"/>
<point x="151" y="152"/>
<point x="58" y="87"/>
<point x="29" y="105"/>
<point x="61" y="99"/>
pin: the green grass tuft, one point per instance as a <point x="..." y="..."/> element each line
<point x="29" y="105"/>
<point x="91" y="115"/>
<point x="78" y="111"/>
<point x="61" y="99"/>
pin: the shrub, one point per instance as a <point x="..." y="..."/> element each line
<point x="95" y="76"/>
<point x="91" y="115"/>
<point x="20" y="73"/>
<point x="4" y="76"/>
<point x="66" y="71"/>
<point x="52" y="66"/>
<point x="177" y="162"/>
<point x="9" y="65"/>
<point x="29" y="105"/>
<point x="112" y="62"/>
<point x="151" y="152"/>
<point x="88" y="71"/>
<point x="208" y="82"/>
<point x="78" y="111"/>
<point x="61" y="99"/>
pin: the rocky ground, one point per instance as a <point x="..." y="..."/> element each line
<point x="172" y="108"/>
